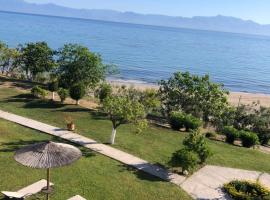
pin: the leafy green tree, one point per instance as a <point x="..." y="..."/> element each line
<point x="36" y="58"/>
<point x="78" y="65"/>
<point x="193" y="94"/>
<point x="104" y="91"/>
<point x="63" y="94"/>
<point x="53" y="87"/>
<point x="121" y="110"/>
<point x="77" y="92"/>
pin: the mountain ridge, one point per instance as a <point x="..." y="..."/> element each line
<point x="211" y="23"/>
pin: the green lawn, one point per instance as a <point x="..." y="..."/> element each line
<point x="93" y="176"/>
<point x="154" y="144"/>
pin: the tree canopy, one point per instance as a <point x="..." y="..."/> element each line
<point x="193" y="94"/>
<point x="78" y="65"/>
<point x="36" y="58"/>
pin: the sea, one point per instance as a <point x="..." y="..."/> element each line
<point x="148" y="54"/>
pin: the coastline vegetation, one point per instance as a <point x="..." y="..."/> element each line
<point x="184" y="101"/>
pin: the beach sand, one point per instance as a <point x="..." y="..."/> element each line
<point x="245" y="98"/>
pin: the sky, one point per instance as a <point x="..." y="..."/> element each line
<point x="256" y="10"/>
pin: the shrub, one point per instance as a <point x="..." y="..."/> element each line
<point x="192" y="123"/>
<point x="245" y="190"/>
<point x="231" y="134"/>
<point x="196" y="142"/>
<point x="104" y="91"/>
<point x="210" y="135"/>
<point x="37" y="92"/>
<point x="264" y="137"/>
<point x="77" y="92"/>
<point x="177" y="120"/>
<point x="63" y="94"/>
<point x="185" y="159"/>
<point x="248" y="139"/>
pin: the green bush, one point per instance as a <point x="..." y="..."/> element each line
<point x="249" y="139"/>
<point x="196" y="142"/>
<point x="185" y="159"/>
<point x="77" y="92"/>
<point x="231" y="134"/>
<point x="104" y="91"/>
<point x="264" y="137"/>
<point x="177" y="120"/>
<point x="38" y="92"/>
<point x="53" y="86"/>
<point x="63" y="94"/>
<point x="180" y="120"/>
<point x="192" y="123"/>
<point x="245" y="190"/>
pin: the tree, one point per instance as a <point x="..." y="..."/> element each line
<point x="78" y="65"/>
<point x="104" y="91"/>
<point x="53" y="87"/>
<point x="36" y="58"/>
<point x="196" y="142"/>
<point x="121" y="110"/>
<point x="77" y="92"/>
<point x="63" y="94"/>
<point x="193" y="94"/>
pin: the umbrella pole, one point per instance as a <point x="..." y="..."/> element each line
<point x="48" y="183"/>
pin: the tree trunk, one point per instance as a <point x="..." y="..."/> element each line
<point x="77" y="102"/>
<point x="53" y="96"/>
<point x="113" y="135"/>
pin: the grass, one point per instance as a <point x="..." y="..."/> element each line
<point x="154" y="144"/>
<point x="93" y="176"/>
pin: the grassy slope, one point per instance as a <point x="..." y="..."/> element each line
<point x="93" y="176"/>
<point x="155" y="144"/>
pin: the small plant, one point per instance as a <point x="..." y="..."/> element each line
<point x="245" y="190"/>
<point x="231" y="134"/>
<point x="192" y="123"/>
<point x="177" y="120"/>
<point x="185" y="159"/>
<point x="77" y="92"/>
<point x="249" y="139"/>
<point x="63" y="94"/>
<point x="38" y="92"/>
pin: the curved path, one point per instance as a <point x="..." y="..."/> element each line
<point x="205" y="184"/>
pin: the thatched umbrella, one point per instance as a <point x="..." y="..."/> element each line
<point x="47" y="155"/>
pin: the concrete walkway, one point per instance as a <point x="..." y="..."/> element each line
<point x="207" y="182"/>
<point x="106" y="150"/>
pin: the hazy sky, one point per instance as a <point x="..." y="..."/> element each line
<point x="257" y="10"/>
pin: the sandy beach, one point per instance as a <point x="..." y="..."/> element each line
<point x="245" y="98"/>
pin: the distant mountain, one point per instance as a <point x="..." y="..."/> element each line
<point x="217" y="23"/>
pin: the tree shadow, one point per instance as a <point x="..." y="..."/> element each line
<point x="23" y="98"/>
<point x="78" y="109"/>
<point x="142" y="172"/>
<point x="46" y="104"/>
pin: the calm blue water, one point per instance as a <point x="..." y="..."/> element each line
<point x="148" y="54"/>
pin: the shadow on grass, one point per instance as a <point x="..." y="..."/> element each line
<point x="46" y="104"/>
<point x="143" y="175"/>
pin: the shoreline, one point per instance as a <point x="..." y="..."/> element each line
<point x="245" y="97"/>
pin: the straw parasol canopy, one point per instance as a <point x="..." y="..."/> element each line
<point x="47" y="155"/>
